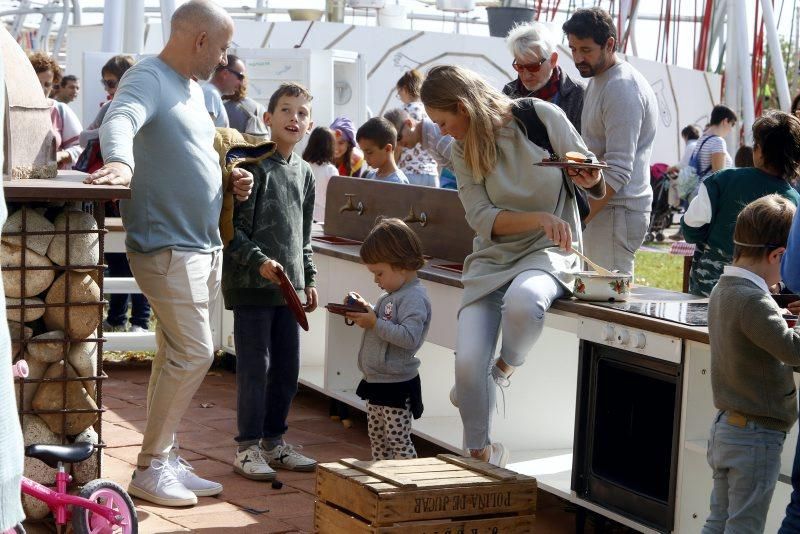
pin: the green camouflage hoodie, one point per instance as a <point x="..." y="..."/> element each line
<point x="274" y="223"/>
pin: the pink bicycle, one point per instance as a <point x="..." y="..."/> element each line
<point x="101" y="507"/>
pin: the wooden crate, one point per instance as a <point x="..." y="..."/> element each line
<point x="442" y="495"/>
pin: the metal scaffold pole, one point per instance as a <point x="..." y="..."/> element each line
<point x="776" y="55"/>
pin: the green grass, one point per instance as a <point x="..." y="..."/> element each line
<point x="660" y="270"/>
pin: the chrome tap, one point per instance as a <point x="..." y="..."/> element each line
<point x="349" y="206"/>
<point x="413" y="218"/>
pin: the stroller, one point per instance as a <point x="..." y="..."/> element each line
<point x="661" y="210"/>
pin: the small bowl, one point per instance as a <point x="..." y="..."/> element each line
<point x="591" y="285"/>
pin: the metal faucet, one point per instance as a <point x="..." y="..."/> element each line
<point x="412" y="217"/>
<point x="349" y="206"/>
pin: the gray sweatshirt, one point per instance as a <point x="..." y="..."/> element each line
<point x="388" y="350"/>
<point x="618" y="124"/>
<point x="158" y="125"/>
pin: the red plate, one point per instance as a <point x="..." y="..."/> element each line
<point x="292" y="300"/>
<point x="571" y="164"/>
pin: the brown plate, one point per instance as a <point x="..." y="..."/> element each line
<point x="292" y="300"/>
<point x="341" y="309"/>
<point x="571" y="164"/>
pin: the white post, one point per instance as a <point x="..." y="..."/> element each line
<point x="133" y="38"/>
<point x="732" y="87"/>
<point x="260" y="4"/>
<point x="19" y="20"/>
<point x="745" y="75"/>
<point x="167" y="9"/>
<point x="76" y="12"/>
<point x="776" y="56"/>
<point x="113" y="19"/>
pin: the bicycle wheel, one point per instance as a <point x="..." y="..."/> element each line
<point x="111" y="495"/>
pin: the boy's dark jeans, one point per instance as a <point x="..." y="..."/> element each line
<point x="118" y="303"/>
<point x="267" y="341"/>
<point x="791" y="522"/>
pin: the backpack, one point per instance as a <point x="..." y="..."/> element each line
<point x="694" y="159"/>
<point x="524" y="110"/>
<point x="690" y="176"/>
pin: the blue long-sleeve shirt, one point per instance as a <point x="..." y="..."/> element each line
<point x="158" y="125"/>
<point x="790" y="264"/>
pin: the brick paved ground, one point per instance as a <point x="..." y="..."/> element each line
<point x="206" y="439"/>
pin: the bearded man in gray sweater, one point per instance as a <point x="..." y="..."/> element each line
<point x="618" y="124"/>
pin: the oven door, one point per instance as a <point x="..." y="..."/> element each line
<point x="627" y="429"/>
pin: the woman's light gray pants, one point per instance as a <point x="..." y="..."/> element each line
<point x="518" y="308"/>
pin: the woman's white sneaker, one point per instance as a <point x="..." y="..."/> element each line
<point x="250" y="463"/>
<point x="498" y="455"/>
<point x="284" y="456"/>
<point x="158" y="484"/>
<point x="184" y="472"/>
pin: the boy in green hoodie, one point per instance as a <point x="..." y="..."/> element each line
<point x="272" y="232"/>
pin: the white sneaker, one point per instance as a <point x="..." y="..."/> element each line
<point x="250" y="463"/>
<point x="137" y="329"/>
<point x="285" y="457"/>
<point x="453" y="397"/>
<point x="500" y="378"/>
<point x="498" y="455"/>
<point x="158" y="484"/>
<point x="108" y="327"/>
<point x="185" y="475"/>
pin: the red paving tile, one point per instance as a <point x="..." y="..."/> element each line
<point x="206" y="438"/>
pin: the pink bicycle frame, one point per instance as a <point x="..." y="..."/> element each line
<point x="58" y="500"/>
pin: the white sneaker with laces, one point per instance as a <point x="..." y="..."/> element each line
<point x="184" y="472"/>
<point x="285" y="457"/>
<point x="498" y="455"/>
<point x="158" y="484"/>
<point x="500" y="378"/>
<point x="250" y="463"/>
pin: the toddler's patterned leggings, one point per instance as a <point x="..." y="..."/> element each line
<point x="389" y="432"/>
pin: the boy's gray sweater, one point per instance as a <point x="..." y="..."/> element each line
<point x="388" y="350"/>
<point x="752" y="351"/>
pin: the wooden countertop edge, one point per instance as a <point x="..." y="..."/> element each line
<point x="565" y="306"/>
<point x="68" y="185"/>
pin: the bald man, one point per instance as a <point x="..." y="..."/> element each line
<point x="157" y="137"/>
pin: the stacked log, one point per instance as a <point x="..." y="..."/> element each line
<point x="50" y="268"/>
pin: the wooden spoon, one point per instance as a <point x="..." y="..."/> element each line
<point x="593" y="265"/>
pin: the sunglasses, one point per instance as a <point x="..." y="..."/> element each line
<point x="109" y="84"/>
<point x="532" y="68"/>
<point x="239" y="75"/>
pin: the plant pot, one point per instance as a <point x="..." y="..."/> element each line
<point x="502" y="19"/>
<point x="305" y="14"/>
<point x="366" y="4"/>
<point x="455" y="6"/>
<point x="334" y="10"/>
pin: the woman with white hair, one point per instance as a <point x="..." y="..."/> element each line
<point x="538" y="74"/>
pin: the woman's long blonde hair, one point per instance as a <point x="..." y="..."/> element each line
<point x="487" y="108"/>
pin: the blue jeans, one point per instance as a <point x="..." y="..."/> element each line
<point x="519" y="308"/>
<point x="118" y="303"/>
<point x="791" y="522"/>
<point x="746" y="462"/>
<point x="430" y="180"/>
<point x="267" y="341"/>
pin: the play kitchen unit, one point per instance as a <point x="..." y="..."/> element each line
<point x="611" y="410"/>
